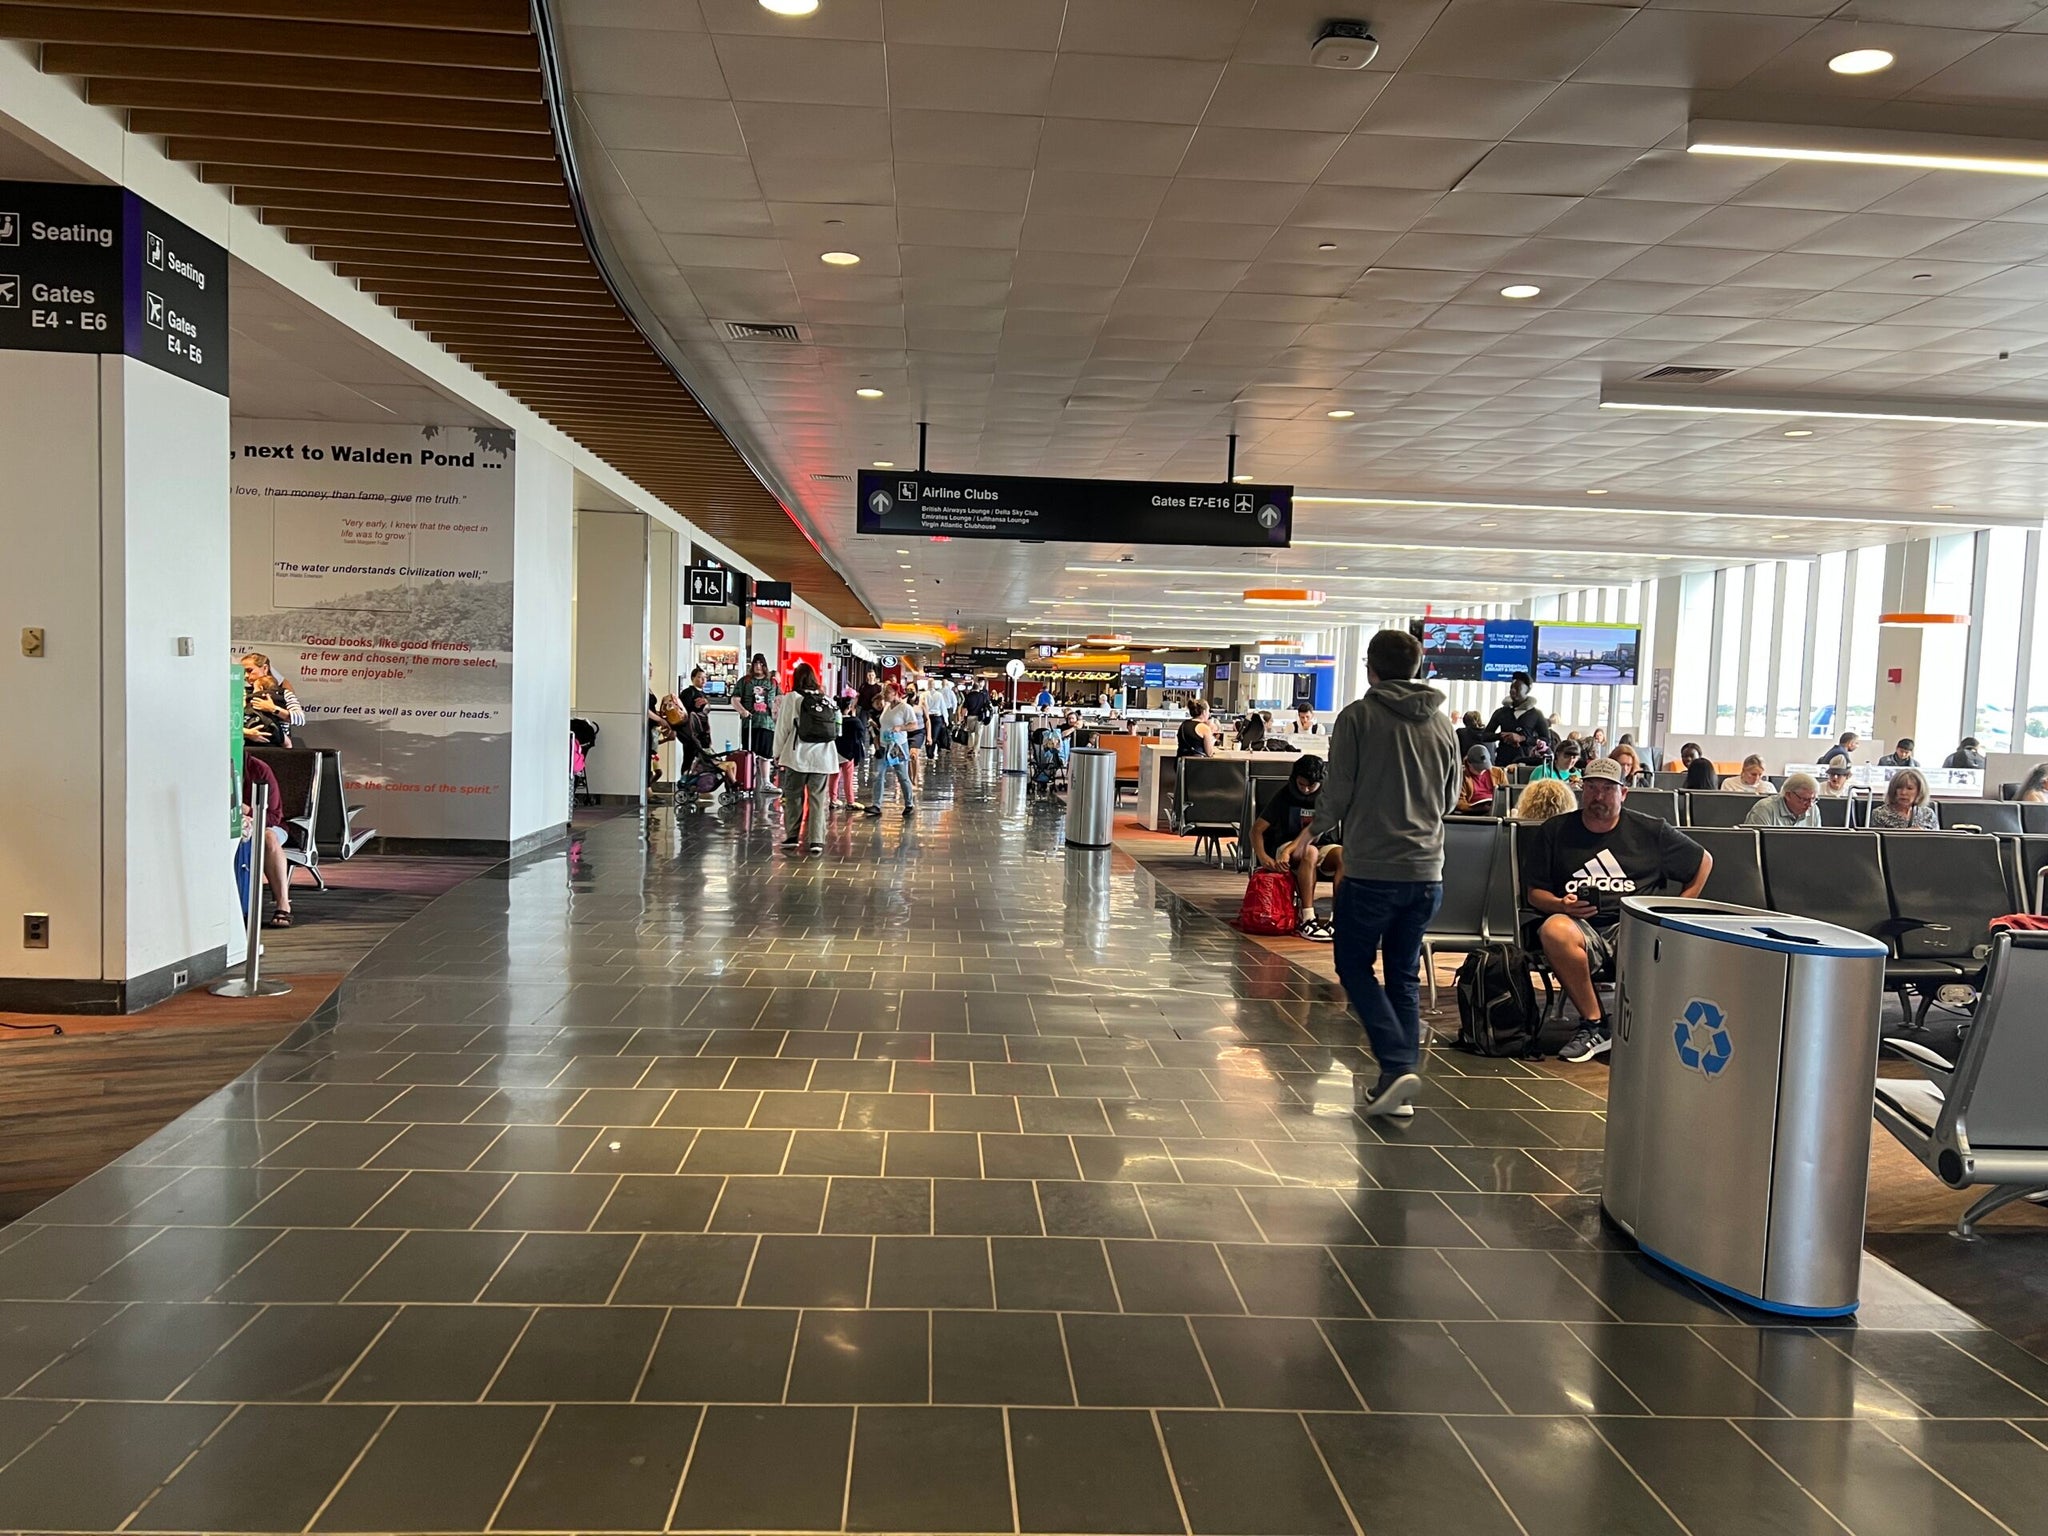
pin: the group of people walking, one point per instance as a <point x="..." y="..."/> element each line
<point x="812" y="747"/>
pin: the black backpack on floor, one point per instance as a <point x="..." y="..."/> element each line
<point x="1497" y="1011"/>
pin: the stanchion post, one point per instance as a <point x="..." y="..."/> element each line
<point x="250" y="983"/>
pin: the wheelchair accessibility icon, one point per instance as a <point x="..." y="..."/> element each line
<point x="1702" y="1039"/>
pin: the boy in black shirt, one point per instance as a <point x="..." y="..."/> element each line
<point x="1580" y="866"/>
<point x="1281" y="840"/>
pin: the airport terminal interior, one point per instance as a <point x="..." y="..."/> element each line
<point x="1225" y="767"/>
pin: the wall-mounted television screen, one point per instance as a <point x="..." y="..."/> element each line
<point x="1587" y="655"/>
<point x="1510" y="648"/>
<point x="1454" y="649"/>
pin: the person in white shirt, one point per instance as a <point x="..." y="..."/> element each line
<point x="807" y="765"/>
<point x="896" y="722"/>
<point x="1751" y="780"/>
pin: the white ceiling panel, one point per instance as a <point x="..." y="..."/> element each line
<point x="1097" y="236"/>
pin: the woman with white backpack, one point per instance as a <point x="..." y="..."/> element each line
<point x="807" y="751"/>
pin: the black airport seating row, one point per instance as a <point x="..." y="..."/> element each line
<point x="1729" y="808"/>
<point x="317" y="816"/>
<point x="1930" y="896"/>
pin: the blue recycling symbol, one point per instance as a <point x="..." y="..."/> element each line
<point x="1702" y="1038"/>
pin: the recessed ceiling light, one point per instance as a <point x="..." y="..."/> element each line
<point x="1800" y="432"/>
<point x="886" y="464"/>
<point x="1327" y="245"/>
<point x="903" y="568"/>
<point x="790" y="7"/>
<point x="1596" y="491"/>
<point x="1342" y="415"/>
<point x="1489" y="525"/>
<point x="1944" y="506"/>
<point x="1777" y="536"/>
<point x="840" y="259"/>
<point x="1861" y="61"/>
<point x="1242" y="479"/>
<point x="869" y="394"/>
<point x="1520" y="291"/>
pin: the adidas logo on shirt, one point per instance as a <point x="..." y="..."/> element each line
<point x="1602" y="875"/>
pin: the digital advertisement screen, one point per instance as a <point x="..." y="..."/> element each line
<point x="1589" y="655"/>
<point x="1454" y="649"/>
<point x="1510" y="648"/>
<point x="1181" y="676"/>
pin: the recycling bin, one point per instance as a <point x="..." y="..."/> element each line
<point x="1738" y="1119"/>
<point x="1091" y="797"/>
<point x="1016" y="744"/>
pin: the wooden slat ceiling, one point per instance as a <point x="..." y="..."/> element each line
<point x="408" y="143"/>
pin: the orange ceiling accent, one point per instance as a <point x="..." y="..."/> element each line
<point x="409" y="144"/>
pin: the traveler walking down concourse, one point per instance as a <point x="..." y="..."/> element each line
<point x="893" y="760"/>
<point x="807" y="751"/>
<point x="1394" y="776"/>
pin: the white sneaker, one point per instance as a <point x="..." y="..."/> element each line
<point x="1590" y="1041"/>
<point x="1391" y="1102"/>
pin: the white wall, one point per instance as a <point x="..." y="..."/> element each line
<point x="167" y="798"/>
<point x="50" y="830"/>
<point x="543" y="566"/>
<point x="611" y="645"/>
<point x="114" y="784"/>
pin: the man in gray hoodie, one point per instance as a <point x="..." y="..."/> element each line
<point x="1393" y="777"/>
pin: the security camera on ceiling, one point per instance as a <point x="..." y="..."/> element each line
<point x="1344" y="45"/>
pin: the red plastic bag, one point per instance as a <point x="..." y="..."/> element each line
<point x="2019" y="922"/>
<point x="1268" y="904"/>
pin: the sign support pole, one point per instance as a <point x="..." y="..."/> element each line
<point x="1230" y="464"/>
<point x="924" y="429"/>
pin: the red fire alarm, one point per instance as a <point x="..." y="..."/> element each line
<point x="1895" y="675"/>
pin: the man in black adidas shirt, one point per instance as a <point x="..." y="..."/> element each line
<point x="1580" y="866"/>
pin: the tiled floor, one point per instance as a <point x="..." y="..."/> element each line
<point x="949" y="1182"/>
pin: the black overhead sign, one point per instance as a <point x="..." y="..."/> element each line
<point x="914" y="502"/>
<point x="96" y="269"/>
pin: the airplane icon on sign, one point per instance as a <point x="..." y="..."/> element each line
<point x="10" y="291"/>
<point x="153" y="310"/>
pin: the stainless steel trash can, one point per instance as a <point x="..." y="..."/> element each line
<point x="1016" y="745"/>
<point x="1091" y="797"/>
<point x="1738" y="1113"/>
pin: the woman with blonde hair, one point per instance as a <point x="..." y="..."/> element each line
<point x="1905" y="807"/>
<point x="1751" y="780"/>
<point x="1545" y="798"/>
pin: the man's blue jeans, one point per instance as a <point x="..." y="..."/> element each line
<point x="1385" y="920"/>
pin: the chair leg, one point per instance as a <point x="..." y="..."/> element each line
<point x="2003" y="1195"/>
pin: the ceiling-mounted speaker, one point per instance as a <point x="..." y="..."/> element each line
<point x="1344" y="45"/>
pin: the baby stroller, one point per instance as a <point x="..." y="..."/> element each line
<point x="702" y="772"/>
<point x="1048" y="763"/>
<point x="582" y="737"/>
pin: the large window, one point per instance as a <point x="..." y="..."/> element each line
<point x="1763" y="593"/>
<point x="1831" y="588"/>
<point x="1859" y="687"/>
<point x="1728" y="668"/>
<point x="1796" y="577"/>
<point x="2003" y="563"/>
<point x="1695" y="643"/>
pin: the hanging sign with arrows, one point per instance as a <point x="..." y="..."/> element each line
<point x="921" y="503"/>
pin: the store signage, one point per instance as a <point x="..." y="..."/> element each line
<point x="708" y="586"/>
<point x="1288" y="663"/>
<point x="98" y="270"/>
<point x="773" y="594"/>
<point x="922" y="504"/>
<point x="981" y="657"/>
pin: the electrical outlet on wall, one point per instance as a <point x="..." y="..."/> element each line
<point x="35" y="930"/>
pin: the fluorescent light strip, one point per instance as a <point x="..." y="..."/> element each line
<point x="1264" y="574"/>
<point x="1752" y="514"/>
<point x="1720" y="554"/>
<point x="1835" y="145"/>
<point x="1945" y="415"/>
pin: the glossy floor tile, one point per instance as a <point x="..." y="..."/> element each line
<point x="949" y="1182"/>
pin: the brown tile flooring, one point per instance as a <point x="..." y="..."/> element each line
<point x="949" y="1182"/>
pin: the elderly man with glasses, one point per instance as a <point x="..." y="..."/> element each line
<point x="1791" y="806"/>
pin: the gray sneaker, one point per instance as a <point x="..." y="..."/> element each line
<point x="1590" y="1041"/>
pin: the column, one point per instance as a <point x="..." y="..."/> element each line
<point x="1657" y="666"/>
<point x="664" y="622"/>
<point x="543" y="563"/>
<point x="115" y="791"/>
<point x="1920" y="668"/>
<point x="611" y="684"/>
